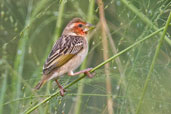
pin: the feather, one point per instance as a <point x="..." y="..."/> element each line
<point x="63" y="50"/>
<point x="43" y="81"/>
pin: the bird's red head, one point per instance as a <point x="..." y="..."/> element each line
<point x="77" y="27"/>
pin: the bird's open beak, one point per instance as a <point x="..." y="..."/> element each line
<point x="89" y="27"/>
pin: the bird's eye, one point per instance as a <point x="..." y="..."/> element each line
<point x="80" y="25"/>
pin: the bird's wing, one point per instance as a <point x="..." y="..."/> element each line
<point x="63" y="50"/>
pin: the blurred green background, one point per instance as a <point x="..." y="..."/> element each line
<point x="29" y="28"/>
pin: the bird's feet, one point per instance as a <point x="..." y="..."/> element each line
<point x="87" y="72"/>
<point x="62" y="90"/>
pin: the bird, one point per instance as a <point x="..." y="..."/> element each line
<point x="67" y="54"/>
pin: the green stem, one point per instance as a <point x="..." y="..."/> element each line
<point x="3" y="90"/>
<point x="19" y="61"/>
<point x="78" y="102"/>
<point x="144" y="18"/>
<point x="91" y="11"/>
<point x="59" y="20"/>
<point x="152" y="64"/>
<point x="77" y="108"/>
<point x="4" y="84"/>
<point x="95" y="68"/>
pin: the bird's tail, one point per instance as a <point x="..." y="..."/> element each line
<point x="42" y="82"/>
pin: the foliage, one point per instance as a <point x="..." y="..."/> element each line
<point x="28" y="29"/>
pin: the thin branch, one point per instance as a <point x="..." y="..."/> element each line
<point x="105" y="56"/>
<point x="95" y="68"/>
